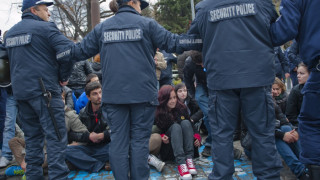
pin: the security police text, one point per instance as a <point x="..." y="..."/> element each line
<point x="232" y="11"/>
<point x="122" y="35"/>
<point x="18" y="40"/>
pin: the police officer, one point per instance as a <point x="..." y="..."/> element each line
<point x="32" y="45"/>
<point x="238" y="56"/>
<point x="127" y="43"/>
<point x="297" y="22"/>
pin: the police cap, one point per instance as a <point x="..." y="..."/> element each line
<point x="143" y="5"/>
<point x="29" y="3"/>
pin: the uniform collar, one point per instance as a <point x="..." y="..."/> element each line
<point x="29" y="15"/>
<point x="127" y="8"/>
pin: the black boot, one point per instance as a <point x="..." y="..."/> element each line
<point x="314" y="172"/>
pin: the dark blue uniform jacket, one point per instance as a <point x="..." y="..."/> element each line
<point x="299" y="21"/>
<point x="237" y="48"/>
<point x="32" y="45"/>
<point x="127" y="43"/>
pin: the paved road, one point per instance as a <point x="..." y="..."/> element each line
<point x="243" y="171"/>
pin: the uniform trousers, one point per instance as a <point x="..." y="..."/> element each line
<point x="37" y="125"/>
<point x="130" y="126"/>
<point x="309" y="121"/>
<point x="258" y="112"/>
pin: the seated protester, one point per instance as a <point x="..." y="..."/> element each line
<point x="94" y="154"/>
<point x="193" y="109"/>
<point x="279" y="94"/>
<point x="288" y="144"/>
<point x="83" y="100"/>
<point x="195" y="113"/>
<point x="68" y="97"/>
<point x="178" y="134"/>
<point x="295" y="97"/>
<point x="17" y="144"/>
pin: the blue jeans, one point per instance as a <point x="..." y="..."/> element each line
<point x="290" y="153"/>
<point x="3" y="99"/>
<point x="9" y="128"/>
<point x="88" y="158"/>
<point x="201" y="97"/>
<point x="181" y="139"/>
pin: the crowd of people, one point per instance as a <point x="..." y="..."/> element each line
<point x="122" y="112"/>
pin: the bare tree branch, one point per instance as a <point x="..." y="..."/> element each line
<point x="70" y="17"/>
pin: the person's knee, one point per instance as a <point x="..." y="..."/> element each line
<point x="285" y="128"/>
<point x="186" y="124"/>
<point x="155" y="143"/>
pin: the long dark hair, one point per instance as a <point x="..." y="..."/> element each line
<point x="164" y="117"/>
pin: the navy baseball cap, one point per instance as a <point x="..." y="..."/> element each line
<point x="29" y="3"/>
<point x="143" y="5"/>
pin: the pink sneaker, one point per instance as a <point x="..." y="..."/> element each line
<point x="183" y="171"/>
<point x="191" y="167"/>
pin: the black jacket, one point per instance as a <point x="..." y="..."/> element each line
<point x="282" y="101"/>
<point x="190" y="70"/>
<point x="195" y="112"/>
<point x="96" y="67"/>
<point x="283" y="121"/>
<point x="294" y="104"/>
<point x="79" y="74"/>
<point x="94" y="123"/>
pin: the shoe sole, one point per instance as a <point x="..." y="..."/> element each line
<point x="193" y="172"/>
<point x="161" y="168"/>
<point x="185" y="178"/>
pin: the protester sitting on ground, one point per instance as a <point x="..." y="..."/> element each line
<point x="279" y="94"/>
<point x="93" y="155"/>
<point x="295" y="97"/>
<point x="288" y="144"/>
<point x="193" y="109"/>
<point x="154" y="149"/>
<point x="178" y="134"/>
<point x="17" y="144"/>
<point x="83" y="100"/>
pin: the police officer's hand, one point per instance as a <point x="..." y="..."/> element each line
<point x="63" y="83"/>
<point x="165" y="139"/>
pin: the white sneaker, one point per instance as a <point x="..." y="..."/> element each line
<point x="184" y="173"/>
<point x="3" y="162"/>
<point x="191" y="167"/>
<point x="157" y="163"/>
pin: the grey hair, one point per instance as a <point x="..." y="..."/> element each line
<point x="29" y="9"/>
